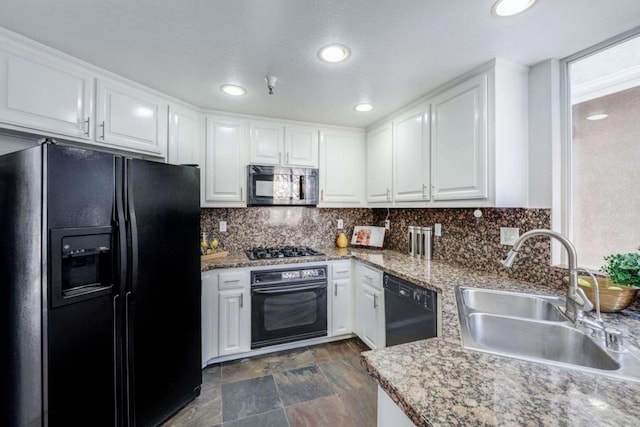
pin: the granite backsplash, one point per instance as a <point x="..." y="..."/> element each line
<point x="466" y="240"/>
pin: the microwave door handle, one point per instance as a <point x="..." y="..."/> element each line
<point x="302" y="187"/>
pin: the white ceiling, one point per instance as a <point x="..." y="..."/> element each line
<point x="401" y="49"/>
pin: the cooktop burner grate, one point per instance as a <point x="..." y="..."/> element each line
<point x="262" y="252"/>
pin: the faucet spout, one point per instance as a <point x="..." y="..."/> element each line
<point x="577" y="301"/>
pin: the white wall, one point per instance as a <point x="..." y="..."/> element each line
<point x="544" y="130"/>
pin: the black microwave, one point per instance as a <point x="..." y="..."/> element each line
<point x="281" y="186"/>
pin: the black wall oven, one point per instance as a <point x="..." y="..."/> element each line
<point x="288" y="305"/>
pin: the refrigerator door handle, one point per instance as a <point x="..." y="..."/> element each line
<point x="127" y="352"/>
<point x="133" y="227"/>
<point x="115" y="356"/>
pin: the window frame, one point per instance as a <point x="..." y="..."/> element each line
<point x="561" y="207"/>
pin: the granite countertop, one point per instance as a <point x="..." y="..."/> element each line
<point x="438" y="382"/>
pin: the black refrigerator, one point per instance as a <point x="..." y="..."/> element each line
<point x="100" y="281"/>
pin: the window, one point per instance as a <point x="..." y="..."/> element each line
<point x="601" y="206"/>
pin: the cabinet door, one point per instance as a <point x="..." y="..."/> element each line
<point x="209" y="316"/>
<point x="342" y="308"/>
<point x="225" y="168"/>
<point x="266" y="144"/>
<point x="131" y="119"/>
<point x="185" y="142"/>
<point x="43" y="93"/>
<point x="459" y="141"/>
<point x="379" y="152"/>
<point x="411" y="156"/>
<point x="372" y="310"/>
<point x="234" y="320"/>
<point x="342" y="158"/>
<point x="301" y="146"/>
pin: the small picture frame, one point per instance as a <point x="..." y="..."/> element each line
<point x="364" y="235"/>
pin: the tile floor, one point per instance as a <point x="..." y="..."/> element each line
<point x="323" y="385"/>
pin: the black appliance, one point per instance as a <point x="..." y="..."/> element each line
<point x="278" y="186"/>
<point x="410" y="311"/>
<point x="100" y="270"/>
<point x="281" y="252"/>
<point x="288" y="305"/>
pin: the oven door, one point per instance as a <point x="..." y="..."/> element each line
<point x="286" y="313"/>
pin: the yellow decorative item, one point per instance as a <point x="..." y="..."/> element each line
<point x="341" y="241"/>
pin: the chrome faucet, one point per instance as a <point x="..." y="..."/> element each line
<point x="577" y="302"/>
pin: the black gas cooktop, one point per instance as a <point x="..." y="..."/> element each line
<point x="281" y="252"/>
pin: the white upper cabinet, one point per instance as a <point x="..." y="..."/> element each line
<point x="45" y="93"/>
<point x="225" y="171"/>
<point x="131" y="119"/>
<point x="411" y="156"/>
<point x="274" y="143"/>
<point x="459" y="141"/>
<point x="185" y="140"/>
<point x="342" y="167"/>
<point x="301" y="146"/>
<point x="379" y="165"/>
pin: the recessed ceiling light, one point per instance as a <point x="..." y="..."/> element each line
<point x="504" y="8"/>
<point x="363" y="108"/>
<point x="598" y="116"/>
<point x="334" y="53"/>
<point x="233" y="90"/>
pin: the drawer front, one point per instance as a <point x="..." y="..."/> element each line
<point x="341" y="270"/>
<point x="371" y="276"/>
<point x="232" y="280"/>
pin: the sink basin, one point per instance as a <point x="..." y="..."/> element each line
<point x="537" y="340"/>
<point x="513" y="304"/>
<point x="532" y="328"/>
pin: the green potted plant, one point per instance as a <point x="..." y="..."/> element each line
<point x="620" y="287"/>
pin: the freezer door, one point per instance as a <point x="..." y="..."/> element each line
<point x="163" y="299"/>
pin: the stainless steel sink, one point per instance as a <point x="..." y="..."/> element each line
<point x="537" y="340"/>
<point x="532" y="328"/>
<point x="514" y="304"/>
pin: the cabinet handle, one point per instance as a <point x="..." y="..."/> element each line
<point x="241" y="300"/>
<point x="287" y="157"/>
<point x="388" y="195"/>
<point x="279" y="156"/>
<point x="322" y="194"/>
<point x="375" y="301"/>
<point x="241" y="194"/>
<point x="88" y="122"/>
<point x="335" y="289"/>
<point x="232" y="281"/>
<point x="368" y="279"/>
<point x="424" y="191"/>
<point x="102" y="126"/>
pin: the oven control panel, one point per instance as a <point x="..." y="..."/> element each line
<point x="288" y="275"/>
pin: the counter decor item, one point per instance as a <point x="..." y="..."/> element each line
<point x="624" y="273"/>
<point x="368" y="236"/>
<point x="211" y="249"/>
<point x="342" y="241"/>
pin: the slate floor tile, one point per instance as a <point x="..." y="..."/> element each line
<point x="245" y="398"/>
<point x="204" y="411"/>
<point x="265" y="365"/>
<point x="333" y="350"/>
<point x="324" y="412"/>
<point x="345" y="375"/>
<point x="276" y="418"/>
<point x="300" y="385"/>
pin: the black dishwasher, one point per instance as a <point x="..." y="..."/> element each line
<point x="410" y="311"/>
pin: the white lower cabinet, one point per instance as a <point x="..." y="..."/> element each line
<point x="234" y="312"/>
<point x="370" y="306"/>
<point x="209" y="316"/>
<point x="341" y="299"/>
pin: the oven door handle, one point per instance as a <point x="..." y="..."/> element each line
<point x="287" y="289"/>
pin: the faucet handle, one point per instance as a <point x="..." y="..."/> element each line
<point x="586" y="304"/>
<point x="613" y="339"/>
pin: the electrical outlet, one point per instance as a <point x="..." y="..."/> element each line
<point x="340" y="224"/>
<point x="508" y="236"/>
<point x="223" y="226"/>
<point x="387" y="224"/>
<point x="437" y="230"/>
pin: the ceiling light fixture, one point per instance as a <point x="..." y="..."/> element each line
<point x="233" y="90"/>
<point x="597" y="116"/>
<point x="503" y="8"/>
<point x="334" y="53"/>
<point x="363" y="108"/>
